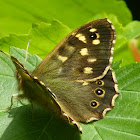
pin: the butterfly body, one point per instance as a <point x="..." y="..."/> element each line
<point x="33" y="90"/>
<point x="75" y="79"/>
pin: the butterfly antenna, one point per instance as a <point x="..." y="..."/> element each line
<point x="4" y="53"/>
<point x="27" y="50"/>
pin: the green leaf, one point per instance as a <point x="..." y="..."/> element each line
<point x="44" y="37"/>
<point x="121" y="123"/>
<point x="18" y="16"/>
<point x="122" y="49"/>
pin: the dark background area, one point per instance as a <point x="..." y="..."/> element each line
<point x="134" y="6"/>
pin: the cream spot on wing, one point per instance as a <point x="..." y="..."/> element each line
<point x="112" y="49"/>
<point x="81" y="37"/>
<point x="88" y="70"/>
<point x="109" y="21"/>
<point x="42" y="83"/>
<point x="64" y="114"/>
<point x="91" y="60"/>
<point x="114" y="41"/>
<point x="35" y="77"/>
<point x="116" y="88"/>
<point x="51" y="92"/>
<point x="97" y="35"/>
<point x="91" y="119"/>
<point x="114" y="98"/>
<point x="73" y="33"/>
<point x="49" y="89"/>
<point x="111" y="24"/>
<point x="70" y="48"/>
<point x="60" y="70"/>
<point x="105" y="111"/>
<point x="110" y="60"/>
<point x="96" y="42"/>
<point x="85" y="83"/>
<point x="112" y="27"/>
<point x="77" y="125"/>
<point x="93" y="30"/>
<point x="114" y="76"/>
<point x="84" y="51"/>
<point x="62" y="58"/>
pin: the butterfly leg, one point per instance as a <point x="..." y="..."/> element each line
<point x="17" y="96"/>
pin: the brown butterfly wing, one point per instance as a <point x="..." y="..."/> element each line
<point x="71" y="71"/>
<point x="76" y="99"/>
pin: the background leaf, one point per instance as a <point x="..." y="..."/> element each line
<point x="44" y="37"/>
<point x="18" y="16"/>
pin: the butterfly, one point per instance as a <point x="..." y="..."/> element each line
<point x="75" y="81"/>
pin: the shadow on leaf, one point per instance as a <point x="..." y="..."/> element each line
<point x="43" y="127"/>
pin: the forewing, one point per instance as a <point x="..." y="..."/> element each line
<point x="85" y="54"/>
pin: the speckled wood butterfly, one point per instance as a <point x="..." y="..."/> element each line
<point x="75" y="80"/>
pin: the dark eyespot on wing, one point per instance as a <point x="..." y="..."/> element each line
<point x="94" y="104"/>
